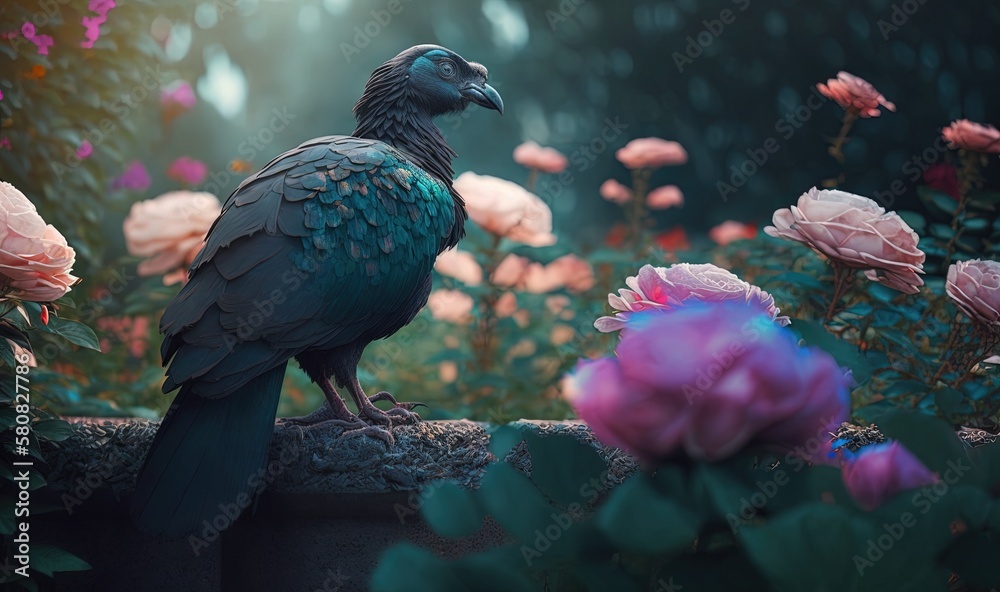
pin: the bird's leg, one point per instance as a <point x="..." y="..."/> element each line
<point x="335" y="412"/>
<point x="397" y="415"/>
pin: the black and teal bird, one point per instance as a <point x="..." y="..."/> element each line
<point x="326" y="249"/>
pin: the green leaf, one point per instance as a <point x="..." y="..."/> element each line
<point x="515" y="503"/>
<point x="846" y="354"/>
<point x="48" y="559"/>
<point x="424" y="572"/>
<point x="565" y="469"/>
<point x="55" y="430"/>
<point x="451" y="510"/>
<point x="636" y="518"/>
<point x="72" y="331"/>
<point x="973" y="558"/>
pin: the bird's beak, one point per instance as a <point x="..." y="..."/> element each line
<point x="484" y="95"/>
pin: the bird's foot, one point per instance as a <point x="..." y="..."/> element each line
<point x="399" y="413"/>
<point x="322" y="414"/>
<point x="350" y="429"/>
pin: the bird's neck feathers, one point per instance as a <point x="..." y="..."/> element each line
<point x="387" y="112"/>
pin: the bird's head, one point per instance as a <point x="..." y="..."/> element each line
<point x="437" y="81"/>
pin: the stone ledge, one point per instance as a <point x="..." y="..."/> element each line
<point x="330" y="507"/>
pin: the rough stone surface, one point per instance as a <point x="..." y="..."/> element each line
<point x="332" y="504"/>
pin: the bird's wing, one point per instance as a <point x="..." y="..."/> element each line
<point x="320" y="248"/>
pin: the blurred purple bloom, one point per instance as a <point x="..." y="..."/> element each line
<point x="708" y="379"/>
<point x="42" y="42"/>
<point x="135" y="178"/>
<point x="28" y="30"/>
<point x="178" y="96"/>
<point x="84" y="150"/>
<point x="878" y="472"/>
<point x="92" y="24"/>
<point x="188" y="171"/>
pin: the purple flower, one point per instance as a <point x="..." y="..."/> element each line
<point x="84" y="150"/>
<point x="706" y="380"/>
<point x="42" y="42"/>
<point x="188" y="171"/>
<point x="92" y="24"/>
<point x="879" y="471"/>
<point x="135" y="178"/>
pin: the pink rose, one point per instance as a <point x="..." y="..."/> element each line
<point x="969" y="135"/>
<point x="35" y="260"/>
<point x="705" y="381"/>
<point x="506" y="305"/>
<point x="730" y="231"/>
<point x="665" y="289"/>
<point x="178" y="96"/>
<point x="84" y="150"/>
<point x="651" y="153"/>
<point x="510" y="271"/>
<point x="170" y="230"/>
<point x="451" y="306"/>
<point x="856" y="232"/>
<point x="506" y="209"/>
<point x="853" y="93"/>
<point x="188" y="171"/>
<point x="668" y="196"/>
<point x="880" y="471"/>
<point x="135" y="178"/>
<point x="460" y="265"/>
<point x="974" y="286"/>
<point x="533" y="156"/>
<point x="615" y="192"/>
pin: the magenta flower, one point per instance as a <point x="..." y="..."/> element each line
<point x="84" y="150"/>
<point x="661" y="288"/>
<point x="42" y="42"/>
<point x="135" y="178"/>
<point x="879" y="471"/>
<point x="188" y="171"/>
<point x="92" y="24"/>
<point x="178" y="97"/>
<point x="705" y="381"/>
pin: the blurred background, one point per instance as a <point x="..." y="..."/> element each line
<point x="724" y="78"/>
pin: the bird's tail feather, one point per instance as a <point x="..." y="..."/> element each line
<point x="204" y="456"/>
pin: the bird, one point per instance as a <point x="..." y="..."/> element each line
<point x="327" y="248"/>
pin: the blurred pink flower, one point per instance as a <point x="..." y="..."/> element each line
<point x="546" y="160"/>
<point x="35" y="260"/>
<point x="969" y="135"/>
<point x="856" y="232"/>
<point x="177" y="99"/>
<point x="730" y="231"/>
<point x="683" y="284"/>
<point x="673" y="240"/>
<point x="878" y="472"/>
<point x="735" y="378"/>
<point x="170" y="230"/>
<point x="651" y="153"/>
<point x="42" y="42"/>
<point x="92" y="24"/>
<point x="614" y="191"/>
<point x="506" y="210"/>
<point x="943" y="177"/>
<point x="974" y="286"/>
<point x="665" y="197"/>
<point x="84" y="150"/>
<point x="451" y="306"/>
<point x="506" y="305"/>
<point x="510" y="271"/>
<point x="561" y="334"/>
<point x="132" y="332"/>
<point x="460" y="265"/>
<point x="135" y="178"/>
<point x="853" y="93"/>
<point x="188" y="171"/>
<point x="448" y="372"/>
<point x="557" y="303"/>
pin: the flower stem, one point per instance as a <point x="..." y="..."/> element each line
<point x="946" y="356"/>
<point x="837" y="149"/>
<point x="532" y="179"/>
<point x="636" y="212"/>
<point x="842" y="280"/>
<point x="968" y="178"/>
<point x="484" y="339"/>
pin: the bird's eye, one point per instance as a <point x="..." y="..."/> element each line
<point x="446" y="69"/>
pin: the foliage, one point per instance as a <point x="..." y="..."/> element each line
<point x="762" y="520"/>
